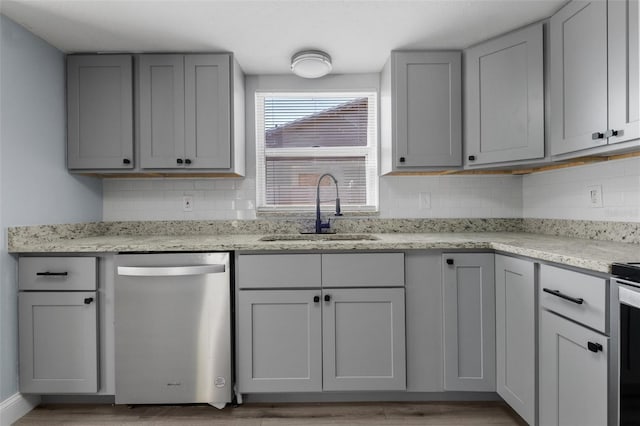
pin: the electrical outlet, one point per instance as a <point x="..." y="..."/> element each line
<point x="424" y="200"/>
<point x="595" y="196"/>
<point x="187" y="203"/>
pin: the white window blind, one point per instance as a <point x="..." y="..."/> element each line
<point x="300" y="136"/>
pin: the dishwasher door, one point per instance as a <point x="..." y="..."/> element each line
<point x="173" y="329"/>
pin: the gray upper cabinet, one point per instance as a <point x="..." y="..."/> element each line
<point x="421" y="109"/>
<point x="504" y="99"/>
<point x="469" y="322"/>
<point x="161" y="116"/>
<point x="594" y="77"/>
<point x="516" y="335"/>
<point x="99" y="112"/>
<point x="186" y="112"/>
<point x="624" y="82"/>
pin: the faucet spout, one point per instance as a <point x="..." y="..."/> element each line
<point x="319" y="225"/>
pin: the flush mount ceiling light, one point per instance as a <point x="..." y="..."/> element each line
<point x="311" y="64"/>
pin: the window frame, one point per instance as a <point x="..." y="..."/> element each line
<point x="369" y="151"/>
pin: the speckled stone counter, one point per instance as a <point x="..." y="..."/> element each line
<point x="588" y="254"/>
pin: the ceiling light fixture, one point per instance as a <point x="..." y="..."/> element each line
<point x="311" y="64"/>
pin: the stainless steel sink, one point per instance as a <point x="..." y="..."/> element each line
<point x="319" y="237"/>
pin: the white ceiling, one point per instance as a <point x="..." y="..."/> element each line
<point x="263" y="34"/>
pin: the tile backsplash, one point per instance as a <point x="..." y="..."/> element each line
<point x="400" y="197"/>
<point x="566" y="193"/>
<point x="557" y="194"/>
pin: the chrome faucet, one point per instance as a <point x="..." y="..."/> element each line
<point x="319" y="225"/>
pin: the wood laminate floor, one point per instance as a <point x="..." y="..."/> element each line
<point x="328" y="414"/>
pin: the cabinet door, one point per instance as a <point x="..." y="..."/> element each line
<point x="161" y="111"/>
<point x="99" y="112"/>
<point x="279" y="341"/>
<point x="624" y="88"/>
<point x="207" y="111"/>
<point x="428" y="103"/>
<point x="504" y="102"/>
<point x="469" y="322"/>
<point x="573" y="379"/>
<point x="515" y="335"/>
<point x="578" y="76"/>
<point x="58" y="342"/>
<point x="363" y="339"/>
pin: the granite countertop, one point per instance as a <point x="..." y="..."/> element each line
<point x="588" y="254"/>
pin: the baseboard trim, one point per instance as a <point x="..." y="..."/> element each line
<point x="16" y="406"/>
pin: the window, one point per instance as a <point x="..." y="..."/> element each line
<point x="300" y="136"/>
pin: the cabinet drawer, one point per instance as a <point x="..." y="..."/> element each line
<point x="57" y="273"/>
<point x="279" y="271"/>
<point x="363" y="270"/>
<point x="578" y="296"/>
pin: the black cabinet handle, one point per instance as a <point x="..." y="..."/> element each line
<point x="597" y="135"/>
<point x="316" y="299"/>
<point x="610" y="133"/>
<point x="179" y="161"/>
<point x="472" y="158"/>
<point x="402" y="159"/>
<point x="449" y="261"/>
<point x="126" y="161"/>
<point x="52" y="274"/>
<point x="594" y="347"/>
<point x="88" y="300"/>
<point x="187" y="161"/>
<point x="576" y="300"/>
<point x="327" y="298"/>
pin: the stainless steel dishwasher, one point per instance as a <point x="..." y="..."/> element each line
<point x="173" y="329"/>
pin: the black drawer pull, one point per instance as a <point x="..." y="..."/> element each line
<point x="449" y="261"/>
<point x="126" y="161"/>
<point x="472" y="158"/>
<point x="316" y="299"/>
<point x="52" y="274"/>
<point x="179" y="161"/>
<point x="594" y="347"/>
<point x="327" y="298"/>
<point x="187" y="161"/>
<point x="576" y="300"/>
<point x="88" y="300"/>
<point x="402" y="159"/>
<point x="597" y="135"/>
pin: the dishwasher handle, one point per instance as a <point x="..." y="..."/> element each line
<point x="169" y="271"/>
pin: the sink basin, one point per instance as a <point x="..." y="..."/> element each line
<point x="319" y="237"/>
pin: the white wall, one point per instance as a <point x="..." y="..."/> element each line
<point x="564" y="193"/>
<point x="35" y="187"/>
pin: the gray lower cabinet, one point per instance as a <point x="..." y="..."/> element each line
<point x="363" y="339"/>
<point x="58" y="342"/>
<point x="99" y="112"/>
<point x="421" y="111"/>
<point x="185" y="111"/>
<point x="320" y="322"/>
<point x="516" y="334"/>
<point x="279" y="341"/>
<point x="595" y="77"/>
<point x="573" y="377"/>
<point x="312" y="340"/>
<point x="504" y="99"/>
<point x="469" y="322"/>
